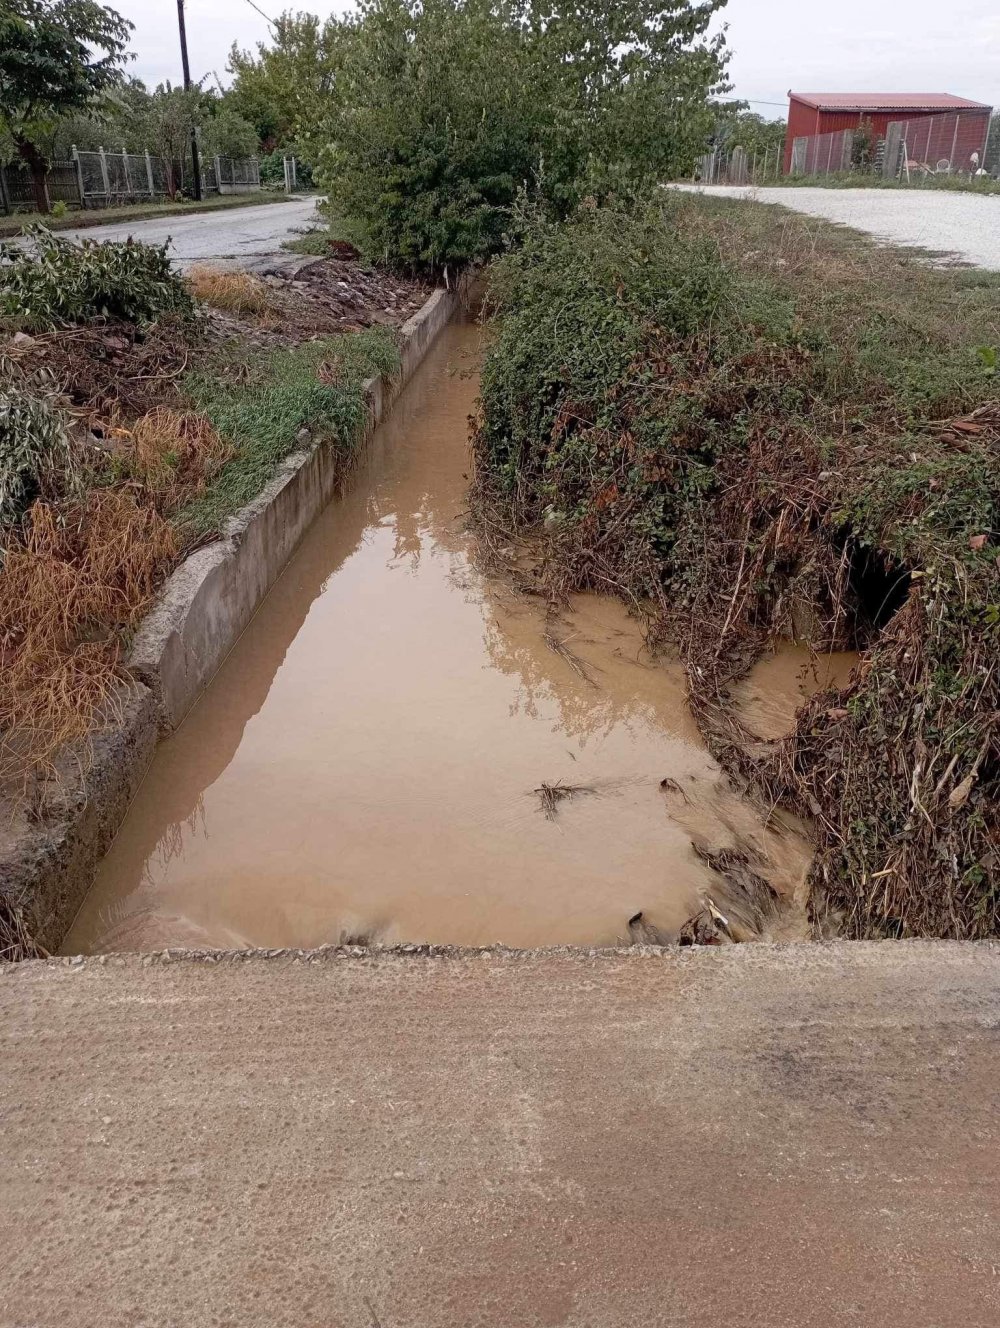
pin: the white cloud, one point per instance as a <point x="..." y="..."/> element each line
<point x="864" y="46"/>
<point x="856" y="46"/>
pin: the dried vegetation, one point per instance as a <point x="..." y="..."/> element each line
<point x="234" y="291"/>
<point x="79" y="572"/>
<point x="129" y="430"/>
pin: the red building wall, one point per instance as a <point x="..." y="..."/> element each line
<point x="804" y="121"/>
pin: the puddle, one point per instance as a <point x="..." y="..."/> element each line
<point x="365" y="762"/>
<point x="769" y="696"/>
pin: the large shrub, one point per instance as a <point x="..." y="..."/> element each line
<point x="445" y="110"/>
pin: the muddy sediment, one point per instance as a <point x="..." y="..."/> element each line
<point x="371" y="762"/>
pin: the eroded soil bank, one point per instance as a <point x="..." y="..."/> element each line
<point x="367" y="760"/>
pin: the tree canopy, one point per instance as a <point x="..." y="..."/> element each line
<point x="443" y="111"/>
<point x="284" y="89"/>
<point x="56" y="57"/>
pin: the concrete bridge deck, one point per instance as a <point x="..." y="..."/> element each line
<point x="802" y="1135"/>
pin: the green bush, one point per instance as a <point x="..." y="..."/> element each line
<point x="444" y="111"/>
<point x="35" y="450"/>
<point x="58" y="282"/>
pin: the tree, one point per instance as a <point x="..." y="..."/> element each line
<point x="56" y="57"/>
<point x="443" y="111"/>
<point x="164" y="123"/>
<point x="738" y="127"/>
<point x="225" y="133"/>
<point x="284" y="90"/>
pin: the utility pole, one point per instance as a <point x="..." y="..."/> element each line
<point x="195" y="163"/>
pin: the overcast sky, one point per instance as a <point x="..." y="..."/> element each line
<point x="808" y="45"/>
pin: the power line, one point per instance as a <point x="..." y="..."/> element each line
<point x="754" y="101"/>
<point x="270" y="21"/>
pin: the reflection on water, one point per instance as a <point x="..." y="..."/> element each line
<point x="366" y="760"/>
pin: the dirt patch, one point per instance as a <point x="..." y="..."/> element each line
<point x="322" y="297"/>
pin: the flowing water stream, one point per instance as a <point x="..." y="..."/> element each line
<point x="365" y="763"/>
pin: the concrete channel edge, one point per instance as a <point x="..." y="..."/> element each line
<point x="209" y="600"/>
<point x="48" y="859"/>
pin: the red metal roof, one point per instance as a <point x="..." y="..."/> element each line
<point x="887" y="101"/>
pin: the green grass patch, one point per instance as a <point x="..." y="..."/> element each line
<point x="314" y="242"/>
<point x="332" y="233"/>
<point x="259" y="404"/>
<point x="956" y="184"/>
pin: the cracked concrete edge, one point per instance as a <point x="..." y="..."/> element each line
<point x="208" y="601"/>
<point x="47" y="862"/>
<point x="788" y="953"/>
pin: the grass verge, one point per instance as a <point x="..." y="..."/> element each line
<point x="262" y="406"/>
<point x="748" y="424"/>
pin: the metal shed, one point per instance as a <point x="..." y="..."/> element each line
<point x="812" y="113"/>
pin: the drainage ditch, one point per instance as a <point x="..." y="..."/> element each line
<point x="399" y="748"/>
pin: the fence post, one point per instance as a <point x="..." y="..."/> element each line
<point x="4" y="195"/>
<point x="104" y="174"/>
<point x="986" y="144"/>
<point x="128" y="178"/>
<point x="149" y="171"/>
<point x="217" y="163"/>
<point x="890" y="157"/>
<point x="79" y="177"/>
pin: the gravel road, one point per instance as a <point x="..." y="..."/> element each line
<point x="966" y="225"/>
<point x="763" y="1135"/>
<point x="242" y="236"/>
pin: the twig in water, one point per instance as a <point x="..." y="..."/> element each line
<point x="551" y="795"/>
<point x="560" y="647"/>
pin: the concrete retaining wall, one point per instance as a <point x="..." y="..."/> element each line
<point x="212" y="596"/>
<point x="48" y="859"/>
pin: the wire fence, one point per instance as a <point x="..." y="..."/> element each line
<point x="236" y="175"/>
<point x="738" y="166"/>
<point x="947" y="144"/>
<point x="110" y="179"/>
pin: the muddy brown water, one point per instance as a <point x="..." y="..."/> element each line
<point x="364" y="764"/>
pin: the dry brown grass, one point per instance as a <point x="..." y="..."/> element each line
<point x="79" y="573"/>
<point x="173" y="454"/>
<point x="234" y="292"/>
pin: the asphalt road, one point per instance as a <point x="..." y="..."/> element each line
<point x="763" y="1136"/>
<point x="241" y="236"/>
<point x="966" y="225"/>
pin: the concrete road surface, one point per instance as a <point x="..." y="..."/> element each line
<point x="787" y="1137"/>
<point x="243" y="236"/>
<point x="966" y="225"/>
